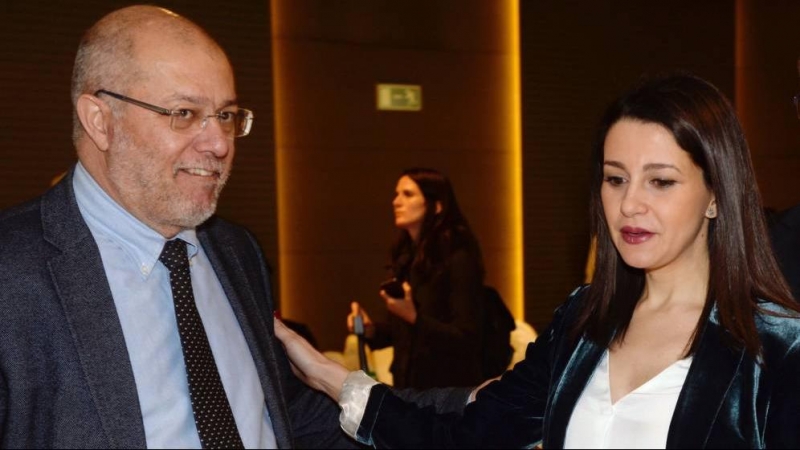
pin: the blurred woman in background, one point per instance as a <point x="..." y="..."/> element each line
<point x="434" y="320"/>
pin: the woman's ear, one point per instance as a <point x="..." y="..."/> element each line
<point x="95" y="117"/>
<point x="438" y="207"/>
<point x="711" y="211"/>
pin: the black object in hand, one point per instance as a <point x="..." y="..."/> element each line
<point x="394" y="289"/>
<point x="358" y="329"/>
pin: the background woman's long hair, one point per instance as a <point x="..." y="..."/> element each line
<point x="441" y="233"/>
<point x="742" y="266"/>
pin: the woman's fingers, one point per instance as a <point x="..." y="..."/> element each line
<point x="352" y="316"/>
<point x="283" y="332"/>
<point x="300" y="352"/>
<point x="407" y="291"/>
<point x="404" y="309"/>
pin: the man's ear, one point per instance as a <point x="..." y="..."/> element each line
<point x="95" y="117"/>
<point x="438" y="207"/>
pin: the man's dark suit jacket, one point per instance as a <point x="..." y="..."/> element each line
<point x="65" y="376"/>
<point x="729" y="400"/>
<point x="785" y="233"/>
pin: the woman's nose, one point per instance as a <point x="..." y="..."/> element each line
<point x="632" y="202"/>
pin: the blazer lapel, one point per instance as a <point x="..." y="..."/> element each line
<point x="231" y="272"/>
<point x="708" y="383"/>
<point x="713" y="371"/>
<point x="576" y="373"/>
<point x="85" y="295"/>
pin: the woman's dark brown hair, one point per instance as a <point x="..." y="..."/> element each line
<point x="743" y="271"/>
<point x="441" y="233"/>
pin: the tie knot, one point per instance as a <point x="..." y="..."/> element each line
<point x="174" y="255"/>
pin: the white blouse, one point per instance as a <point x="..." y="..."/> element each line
<point x="640" y="419"/>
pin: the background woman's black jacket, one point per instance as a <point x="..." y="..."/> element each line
<point x="443" y="347"/>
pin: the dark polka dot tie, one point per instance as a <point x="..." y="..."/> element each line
<point x="212" y="412"/>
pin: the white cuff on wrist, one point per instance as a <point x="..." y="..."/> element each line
<point x="353" y="401"/>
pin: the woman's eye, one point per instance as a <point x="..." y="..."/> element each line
<point x="662" y="183"/>
<point x="613" y="180"/>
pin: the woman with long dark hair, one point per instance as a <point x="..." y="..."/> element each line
<point x="434" y="323"/>
<point x="687" y="336"/>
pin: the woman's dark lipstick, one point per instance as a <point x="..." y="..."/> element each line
<point x="635" y="236"/>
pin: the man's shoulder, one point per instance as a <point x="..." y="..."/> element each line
<point x="20" y="223"/>
<point x="220" y="233"/>
<point x="791" y="215"/>
<point x="24" y="248"/>
<point x="785" y="236"/>
<point x="787" y="224"/>
<point x="25" y="211"/>
<point x="218" y="228"/>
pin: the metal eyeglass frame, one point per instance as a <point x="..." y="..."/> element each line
<point x="172" y="113"/>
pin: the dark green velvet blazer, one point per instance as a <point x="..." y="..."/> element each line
<point x="729" y="400"/>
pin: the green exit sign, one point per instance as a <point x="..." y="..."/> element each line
<point x="399" y="97"/>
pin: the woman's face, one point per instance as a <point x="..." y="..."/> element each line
<point x="654" y="198"/>
<point x="409" y="206"/>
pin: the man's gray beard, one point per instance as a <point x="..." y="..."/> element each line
<point x="153" y="198"/>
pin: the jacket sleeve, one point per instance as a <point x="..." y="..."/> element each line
<point x="465" y="301"/>
<point x="508" y="413"/>
<point x="444" y="400"/>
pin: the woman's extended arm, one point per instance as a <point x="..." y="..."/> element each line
<point x="508" y="413"/>
<point x="309" y="365"/>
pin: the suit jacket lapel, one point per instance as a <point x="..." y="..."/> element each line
<point x="713" y="371"/>
<point x="232" y="274"/>
<point x="85" y="295"/>
<point x="576" y="373"/>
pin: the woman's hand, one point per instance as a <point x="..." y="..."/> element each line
<point x="355" y="309"/>
<point x="402" y="308"/>
<point x="310" y="365"/>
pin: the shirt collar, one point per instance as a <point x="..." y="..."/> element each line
<point x="106" y="218"/>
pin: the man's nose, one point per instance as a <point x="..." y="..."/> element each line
<point x="214" y="138"/>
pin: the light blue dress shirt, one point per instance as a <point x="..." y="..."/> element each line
<point x="143" y="298"/>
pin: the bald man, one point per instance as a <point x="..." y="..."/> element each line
<point x="131" y="315"/>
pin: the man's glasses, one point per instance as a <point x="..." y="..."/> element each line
<point x="187" y="120"/>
